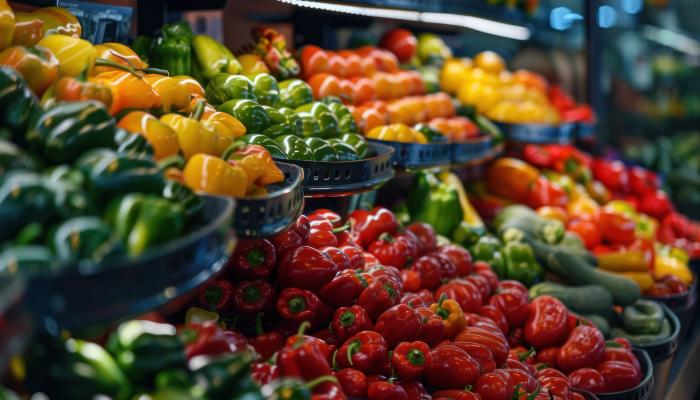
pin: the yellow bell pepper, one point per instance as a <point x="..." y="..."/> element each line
<point x="643" y="279"/>
<point x="626" y="260"/>
<point x="129" y="90"/>
<point x="252" y="65"/>
<point x="173" y="95"/>
<point x="583" y="206"/>
<point x="117" y="53"/>
<point x="454" y="74"/>
<point x="210" y="174"/>
<point x="228" y="128"/>
<point x="195" y="136"/>
<point x="58" y="20"/>
<point x="194" y="87"/>
<point x="162" y="138"/>
<point x="75" y="55"/>
<point x="667" y="265"/>
<point x="37" y="65"/>
<point x="7" y="25"/>
<point x="397" y="133"/>
<point x="29" y="29"/>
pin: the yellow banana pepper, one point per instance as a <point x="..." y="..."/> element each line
<point x="667" y="265"/>
<point x="173" y="95"/>
<point x="162" y="137"/>
<point x="29" y="29"/>
<point x="7" y="25"/>
<point x="195" y="136"/>
<point x="470" y="215"/>
<point x="643" y="279"/>
<point x="129" y="90"/>
<point x="210" y="174"/>
<point x="620" y="261"/>
<point x="58" y="20"/>
<point x="75" y="55"/>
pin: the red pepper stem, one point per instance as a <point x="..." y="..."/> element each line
<point x="321" y="379"/>
<point x="297" y="305"/>
<point x="198" y="110"/>
<point x="213" y="295"/>
<point x="258" y="325"/>
<point x="341" y="228"/>
<point x="353" y="348"/>
<point x="516" y="389"/>
<point x="415" y="357"/>
<point x="347" y="319"/>
<point x="533" y="395"/>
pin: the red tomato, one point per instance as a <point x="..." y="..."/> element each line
<point x="616" y="228"/>
<point x="587" y="231"/>
<point x="588" y="379"/>
<point x="400" y="42"/>
<point x="619" y="375"/>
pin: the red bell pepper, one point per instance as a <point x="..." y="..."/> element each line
<point x="547" y="356"/>
<point x="297" y="235"/>
<point x="612" y="174"/>
<point x="454" y="394"/>
<point x="655" y="203"/>
<point x="545" y="193"/>
<point x="266" y="344"/>
<point x="515" y="364"/>
<point x="482" y="284"/>
<point x="616" y="228"/>
<point x="557" y="386"/>
<point x="252" y="297"/>
<point x="323" y="233"/>
<point x="329" y="215"/>
<point x="264" y="373"/>
<point x="415" y="390"/>
<point x="432" y="327"/>
<point x="340" y="259"/>
<point x="495" y="315"/>
<point x="480" y="353"/>
<point x="478" y="321"/>
<point x="253" y="259"/>
<point x="306" y="268"/>
<point x="348" y="321"/>
<point x="509" y="284"/>
<point x="516" y="337"/>
<point x="377" y="271"/>
<point x="382" y="294"/>
<point x="427" y="238"/>
<point x="399" y="323"/>
<point x="391" y="251"/>
<point x="409" y="359"/>
<point x="538" y="155"/>
<point x="526" y="380"/>
<point x="448" y="268"/>
<point x="616" y="352"/>
<point x="585" y="347"/>
<point x="460" y="257"/>
<point x="385" y="391"/>
<point x="299" y="305"/>
<point x="642" y="180"/>
<point x="450" y="368"/>
<point x="412" y="299"/>
<point x="588" y="379"/>
<point x="484" y="269"/>
<point x="497" y="385"/>
<point x="513" y="304"/>
<point x="344" y="289"/>
<point x="410" y="279"/>
<point x="210" y="339"/>
<point x="430" y="270"/>
<point x="365" y="351"/>
<point x="353" y="382"/>
<point x="463" y="292"/>
<point x="218" y="297"/>
<point x="427" y="296"/>
<point x="369" y="225"/>
<point x="355" y="256"/>
<point x="496" y="343"/>
<point x="327" y="391"/>
<point x="304" y="361"/>
<point x="300" y="337"/>
<point x="619" y="375"/>
<point x="546" y="322"/>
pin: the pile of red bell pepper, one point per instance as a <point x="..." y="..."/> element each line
<point x="365" y="308"/>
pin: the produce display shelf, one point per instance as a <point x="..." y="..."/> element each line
<point x="473" y="150"/>
<point x="539" y="134"/>
<point x="89" y="295"/>
<point x="683" y="379"/>
<point x="270" y="214"/>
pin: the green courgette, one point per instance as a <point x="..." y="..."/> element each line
<point x="527" y="220"/>
<point x="587" y="299"/>
<point x="643" y="318"/>
<point x="600" y="322"/>
<point x="642" y="340"/>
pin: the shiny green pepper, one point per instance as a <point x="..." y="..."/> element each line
<point x="321" y="149"/>
<point x="344" y="150"/>
<point x="295" y="147"/>
<point x="251" y="114"/>
<point x="266" y="90"/>
<point x="83" y="238"/>
<point x="309" y="125"/>
<point x="12" y="158"/>
<point x="272" y="146"/>
<point x="223" y="87"/>
<point x="358" y="142"/>
<point x="30" y="259"/>
<point x="327" y="121"/>
<point x="294" y="93"/>
<point x="17" y="101"/>
<point x="24" y="198"/>
<point x="467" y="235"/>
<point x="282" y="123"/>
<point x="192" y="204"/>
<point x="132" y="144"/>
<point x="521" y="264"/>
<point x="70" y="197"/>
<point x="173" y="51"/>
<point x="346" y="122"/>
<point x="433" y="135"/>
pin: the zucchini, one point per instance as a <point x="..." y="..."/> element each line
<point x="587" y="299"/>
<point x="600" y="322"/>
<point x="530" y="223"/>
<point x="643" y="340"/>
<point x="543" y="250"/>
<point x="643" y="318"/>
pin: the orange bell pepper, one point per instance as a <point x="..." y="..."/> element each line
<point x="510" y="177"/>
<point x="71" y="89"/>
<point x="174" y="95"/>
<point x="37" y="65"/>
<point x="162" y="138"/>
<point x="212" y="175"/>
<point x="75" y="55"/>
<point x="7" y="24"/>
<point x="257" y="162"/>
<point x="227" y="127"/>
<point x="451" y="314"/>
<point x="128" y="91"/>
<point x="58" y="20"/>
<point x="29" y="29"/>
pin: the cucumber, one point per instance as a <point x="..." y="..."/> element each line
<point x="588" y="299"/>
<point x="600" y="322"/>
<point x="643" y="340"/>
<point x="643" y="318"/>
<point x="542" y="250"/>
<point x="525" y="219"/>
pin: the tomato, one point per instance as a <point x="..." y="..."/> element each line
<point x="545" y="193"/>
<point x="513" y="305"/>
<point x="401" y="42"/>
<point x="612" y="174"/>
<point x="463" y="292"/>
<point x="622" y="354"/>
<point x="619" y="375"/>
<point x="616" y="228"/>
<point x="585" y="347"/>
<point x="494" y="386"/>
<point x="426" y="237"/>
<point x="314" y="60"/>
<point x="324" y="85"/>
<point x="588" y="379"/>
<point x="587" y="231"/>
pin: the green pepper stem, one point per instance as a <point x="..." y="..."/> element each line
<point x="347" y="318"/>
<point x="341" y="228"/>
<point x="303" y="327"/>
<point x="198" y="110"/>
<point x="386" y="237"/>
<point x="525" y="355"/>
<point x="252" y="294"/>
<point x="297" y="305"/>
<point x="415" y="357"/>
<point x="232" y="148"/>
<point x="102" y="62"/>
<point x="353" y="348"/>
<point x="158" y="71"/>
<point x="321" y="379"/>
<point x="516" y="389"/>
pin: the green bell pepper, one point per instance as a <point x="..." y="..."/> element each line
<point x="282" y="123"/>
<point x="433" y="135"/>
<point x="67" y="130"/>
<point x="521" y="264"/>
<point x="173" y="51"/>
<point x="485" y="247"/>
<point x="142" y="46"/>
<point x="327" y="121"/>
<point x="24" y="198"/>
<point x="346" y="122"/>
<point x="17" y="101"/>
<point x="643" y="318"/>
<point x="295" y="93"/>
<point x="12" y="158"/>
<point x="266" y="90"/>
<point x="294" y="147"/>
<point x="344" y="150"/>
<point x="223" y="87"/>
<point x="70" y="197"/>
<point x="435" y="203"/>
<point x="212" y="57"/>
<point x="142" y="222"/>
<point x="143" y="348"/>
<point x="271" y="145"/>
<point x="467" y="235"/>
<point x="250" y="113"/>
<point x="192" y="205"/>
<point x="321" y="149"/>
<point x="358" y="142"/>
<point x="110" y="174"/>
<point x="309" y="125"/>
<point x="83" y="238"/>
<point x="226" y="376"/>
<point x="132" y="144"/>
<point x="32" y="259"/>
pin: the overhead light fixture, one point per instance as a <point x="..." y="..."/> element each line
<point x="491" y="27"/>
<point x="674" y="40"/>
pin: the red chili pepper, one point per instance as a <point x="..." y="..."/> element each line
<point x="460" y="257"/>
<point x="353" y="382"/>
<point x="450" y="368"/>
<point x="382" y="294"/>
<point x="409" y="359"/>
<point x="340" y="259"/>
<point x="266" y="344"/>
<point x="415" y="390"/>
<point x="344" y="289"/>
<point x="410" y="279"/>
<point x="365" y="351"/>
<point x="385" y="391"/>
<point x="480" y="353"/>
<point x="495" y="315"/>
<point x="432" y="327"/>
<point x="484" y="269"/>
<point x="616" y="352"/>
<point x="546" y="323"/>
<point x="252" y="297"/>
<point x="619" y="375"/>
<point x="497" y="344"/>
<point x="585" y="347"/>
<point x="588" y="379"/>
<point x="297" y="235"/>
<point x="306" y="268"/>
<point x="210" y="339"/>
<point x="399" y="323"/>
<point x="253" y="259"/>
<point x="548" y="356"/>
<point x="513" y="305"/>
<point x="427" y="238"/>
<point x="369" y="225"/>
<point x="412" y="299"/>
<point x="430" y="270"/>
<point x="557" y="386"/>
<point x="299" y="305"/>
<point x="391" y="251"/>
<point x="355" y="256"/>
<point x="264" y="373"/>
<point x="463" y="292"/>
<point x="454" y="394"/>
<point x="218" y="297"/>
<point x="497" y="385"/>
<point x="348" y="321"/>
